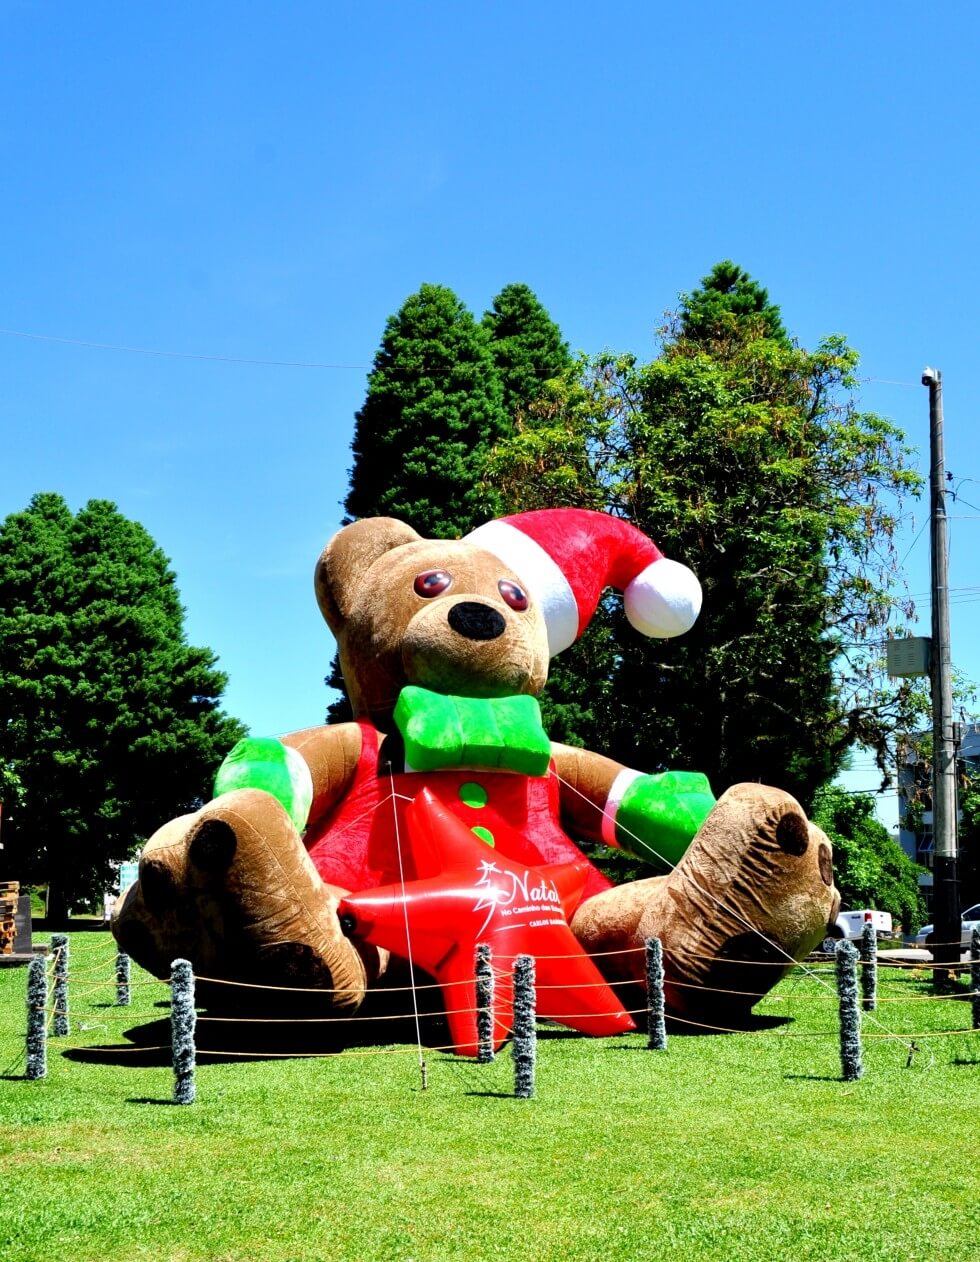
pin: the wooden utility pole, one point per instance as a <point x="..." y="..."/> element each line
<point x="946" y="897"/>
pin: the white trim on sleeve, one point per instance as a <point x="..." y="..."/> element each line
<point x="616" y="795"/>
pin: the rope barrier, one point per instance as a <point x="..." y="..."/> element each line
<point x="903" y="969"/>
<point x="94" y="989"/>
<point x="723" y="1029"/>
<point x="375" y="1051"/>
<point x="578" y="985"/>
<point x="718" y="990"/>
<point x="693" y="1023"/>
<point x="596" y="955"/>
<point x="926" y="966"/>
<point x="898" y="965"/>
<point x="82" y="952"/>
<point x="901" y="966"/>
<point x="408" y="935"/>
<point x="335" y="1020"/>
<point x="930" y="1034"/>
<point x="968" y="994"/>
<point x="114" y="1048"/>
<point x="339" y="990"/>
<point x="793" y="997"/>
<point x="714" y="990"/>
<point x="92" y="971"/>
<point x="789" y="962"/>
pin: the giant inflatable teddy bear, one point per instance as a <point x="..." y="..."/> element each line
<point x="324" y="850"/>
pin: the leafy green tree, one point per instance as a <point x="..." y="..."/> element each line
<point x="109" y="721"/>
<point x="870" y="868"/>
<point x="527" y="346"/>
<point x="745" y="457"/>
<point x="434" y="407"/>
<point x="968" y="867"/>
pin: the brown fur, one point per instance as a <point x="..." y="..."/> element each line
<point x="388" y="636"/>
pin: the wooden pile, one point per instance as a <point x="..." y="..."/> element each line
<point x="9" y="894"/>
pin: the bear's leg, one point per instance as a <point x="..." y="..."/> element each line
<point x="232" y="889"/>
<point x="753" y="893"/>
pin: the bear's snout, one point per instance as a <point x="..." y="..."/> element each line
<point x="476" y="621"/>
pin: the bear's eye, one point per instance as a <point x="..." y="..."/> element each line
<point x="513" y="595"/>
<point x="433" y="583"/>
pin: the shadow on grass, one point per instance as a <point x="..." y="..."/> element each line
<point x="112" y="1005"/>
<point x="740" y="1023"/>
<point x="814" y="1077"/>
<point x="233" y="1032"/>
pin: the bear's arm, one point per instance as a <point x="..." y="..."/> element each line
<point x="332" y="754"/>
<point x="652" y="817"/>
<point x="585" y="780"/>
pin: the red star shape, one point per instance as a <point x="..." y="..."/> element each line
<point x="468" y="893"/>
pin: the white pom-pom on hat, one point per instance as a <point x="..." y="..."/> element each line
<point x="568" y="556"/>
<point x="663" y="600"/>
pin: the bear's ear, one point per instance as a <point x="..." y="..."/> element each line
<point x="348" y="555"/>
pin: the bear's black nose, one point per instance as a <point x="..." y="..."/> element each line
<point x="476" y="621"/>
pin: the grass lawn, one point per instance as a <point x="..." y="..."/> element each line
<point x="729" y="1147"/>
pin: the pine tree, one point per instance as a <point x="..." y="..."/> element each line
<point x="109" y="720"/>
<point x="433" y="411"/>
<point x="727" y="296"/>
<point x="527" y="346"/>
<point x="443" y="391"/>
<point x="434" y="407"/>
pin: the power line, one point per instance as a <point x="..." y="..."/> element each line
<point x="146" y="350"/>
<point x="216" y="359"/>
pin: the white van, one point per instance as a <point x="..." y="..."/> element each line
<point x="850" y="925"/>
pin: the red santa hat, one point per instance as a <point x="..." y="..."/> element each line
<point x="567" y="556"/>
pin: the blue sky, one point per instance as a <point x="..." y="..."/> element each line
<point x="256" y="182"/>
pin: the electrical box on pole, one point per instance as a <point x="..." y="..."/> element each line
<point x="908" y="657"/>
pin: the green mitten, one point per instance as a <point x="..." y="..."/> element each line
<point x="657" y="816"/>
<point x="262" y="762"/>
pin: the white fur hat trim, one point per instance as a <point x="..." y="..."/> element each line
<point x="547" y="585"/>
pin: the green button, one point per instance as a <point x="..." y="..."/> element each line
<point x="473" y="794"/>
<point x="485" y="834"/>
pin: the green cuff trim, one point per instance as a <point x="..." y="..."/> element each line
<point x="442" y="732"/>
<point x="659" y="816"/>
<point x="262" y="762"/>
